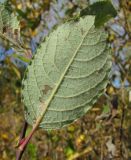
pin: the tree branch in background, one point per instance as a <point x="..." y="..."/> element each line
<point x="124" y="4"/>
<point x="78" y="155"/>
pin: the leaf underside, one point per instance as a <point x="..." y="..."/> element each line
<point x="67" y="75"/>
<point x="9" y="25"/>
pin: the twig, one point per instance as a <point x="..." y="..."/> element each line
<point x="22" y="136"/>
<point x="11" y="41"/>
<point x="122" y="119"/>
<point x="23" y="132"/>
<point x="127" y="25"/>
<point x="27" y="51"/>
<point x="77" y="155"/>
<point x="121" y="132"/>
<point x="24" y="142"/>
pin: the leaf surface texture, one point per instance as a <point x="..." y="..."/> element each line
<point x="67" y="75"/>
<point x="9" y="25"/>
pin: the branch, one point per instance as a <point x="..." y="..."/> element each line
<point x="23" y="132"/>
<point x="123" y="4"/>
<point x="79" y="154"/>
<point x="22" y="136"/>
<point x="24" y="142"/>
<point x="11" y="41"/>
<point x="122" y="118"/>
<point x="27" y="51"/>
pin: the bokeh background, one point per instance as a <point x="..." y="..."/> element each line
<point x="104" y="133"/>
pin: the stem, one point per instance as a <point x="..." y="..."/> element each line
<point x="123" y="4"/>
<point x="122" y="119"/>
<point x="11" y="41"/>
<point x="80" y="154"/>
<point x="22" y="136"/>
<point x="24" y="142"/>
<point x="23" y="132"/>
<point x="121" y="131"/>
<point x="27" y="51"/>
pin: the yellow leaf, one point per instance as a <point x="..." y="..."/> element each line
<point x="19" y="6"/>
<point x="16" y="72"/>
<point x="5" y="136"/>
<point x="80" y="139"/>
<point x="111" y="90"/>
<point x="71" y="128"/>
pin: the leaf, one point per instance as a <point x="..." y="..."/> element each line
<point x="21" y="57"/>
<point x="106" y="109"/>
<point x="7" y="19"/>
<point x="67" y="75"/>
<point x="103" y="10"/>
<point x="9" y="26"/>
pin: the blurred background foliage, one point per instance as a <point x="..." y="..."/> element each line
<point x="104" y="132"/>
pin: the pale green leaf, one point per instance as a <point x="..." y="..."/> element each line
<point x="9" y="25"/>
<point x="106" y="109"/>
<point x="67" y="75"/>
<point x="7" y="19"/>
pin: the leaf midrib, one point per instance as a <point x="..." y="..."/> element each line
<point x="45" y="106"/>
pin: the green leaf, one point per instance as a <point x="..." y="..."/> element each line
<point x="20" y="57"/>
<point x="106" y="109"/>
<point x="7" y="19"/>
<point x="67" y="75"/>
<point x="9" y="25"/>
<point x="103" y="11"/>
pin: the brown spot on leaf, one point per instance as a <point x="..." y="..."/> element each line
<point x="46" y="89"/>
<point x="82" y="31"/>
<point x="40" y="99"/>
<point x="4" y="29"/>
